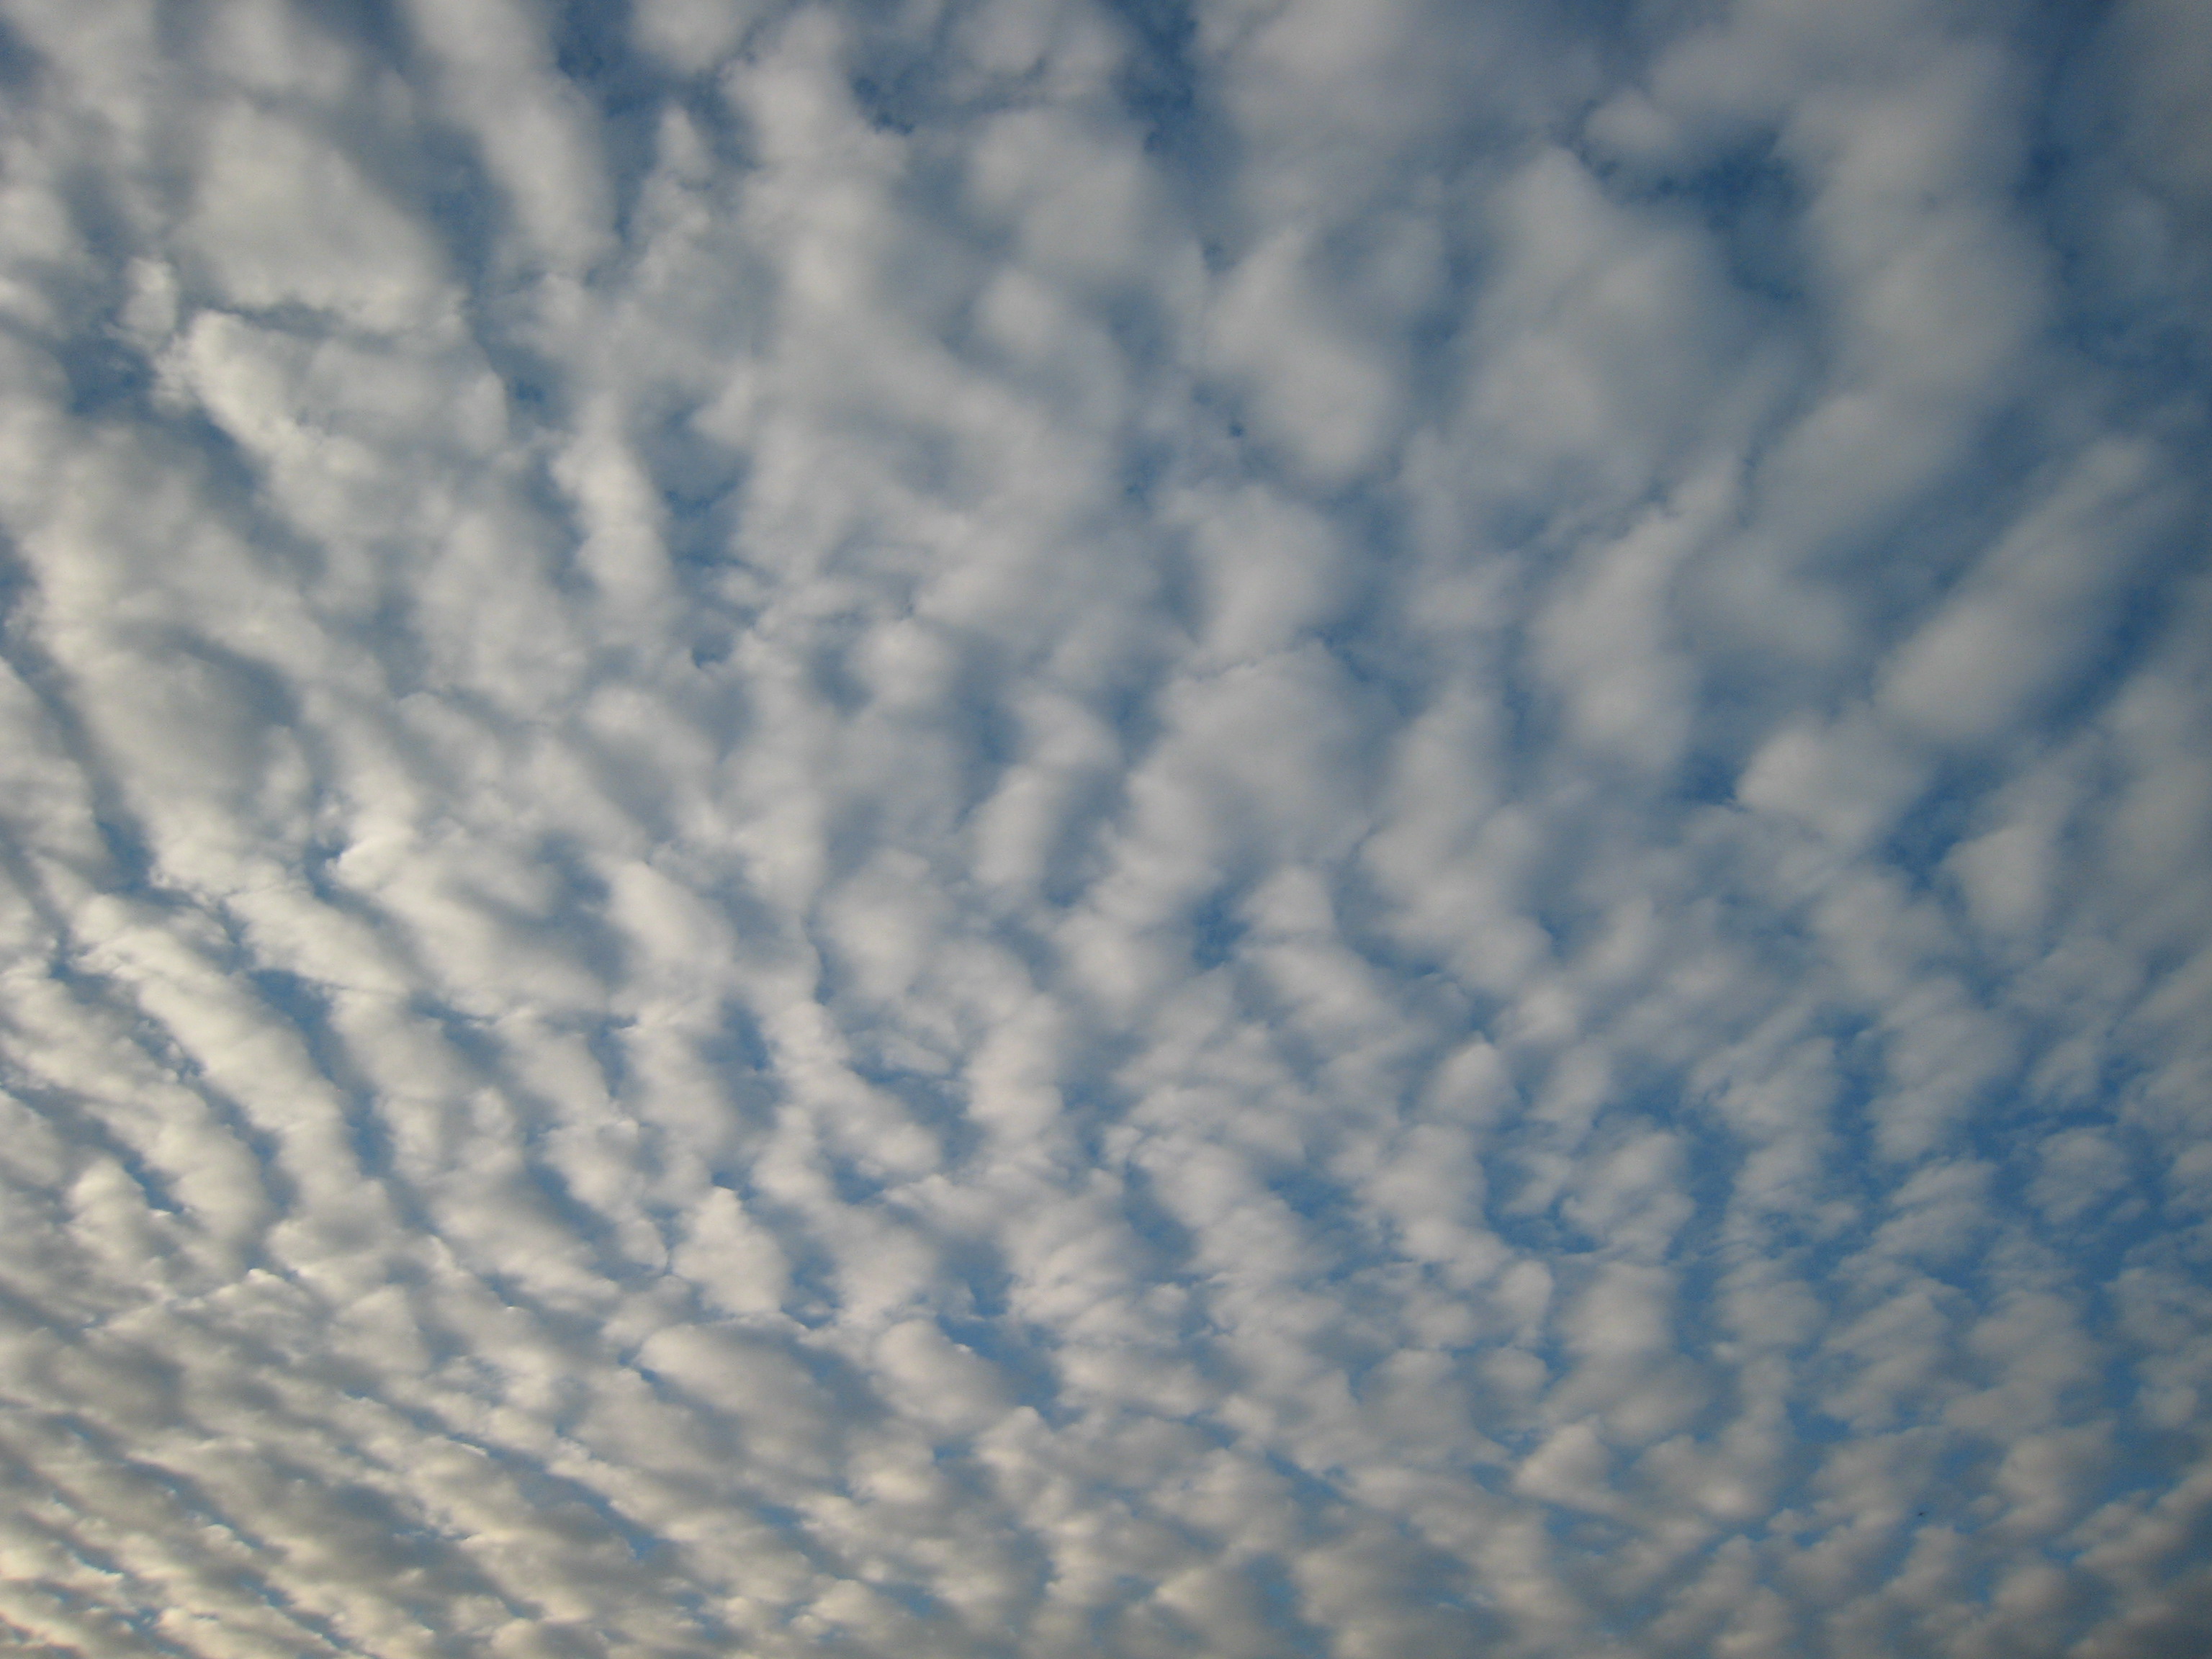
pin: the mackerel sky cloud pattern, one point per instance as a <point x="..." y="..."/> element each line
<point x="1033" y="829"/>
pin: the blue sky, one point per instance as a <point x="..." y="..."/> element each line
<point x="1267" y="829"/>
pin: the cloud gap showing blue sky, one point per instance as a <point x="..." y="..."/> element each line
<point x="1002" y="829"/>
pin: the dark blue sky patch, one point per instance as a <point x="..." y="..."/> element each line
<point x="1160" y="80"/>
<point x="20" y="69"/>
<point x="631" y="92"/>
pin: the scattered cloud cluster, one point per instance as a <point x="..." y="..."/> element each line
<point x="1047" y="828"/>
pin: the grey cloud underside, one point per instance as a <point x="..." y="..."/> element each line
<point x="1048" y="829"/>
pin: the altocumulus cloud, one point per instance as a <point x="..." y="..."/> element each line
<point x="1262" y="827"/>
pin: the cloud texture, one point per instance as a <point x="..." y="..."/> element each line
<point x="1356" y="827"/>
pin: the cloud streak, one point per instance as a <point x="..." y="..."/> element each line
<point x="1042" y="829"/>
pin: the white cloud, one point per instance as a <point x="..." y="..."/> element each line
<point x="1001" y="830"/>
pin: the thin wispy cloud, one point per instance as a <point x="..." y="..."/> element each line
<point x="1056" y="828"/>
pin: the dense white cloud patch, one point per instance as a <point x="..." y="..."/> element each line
<point x="1057" y="827"/>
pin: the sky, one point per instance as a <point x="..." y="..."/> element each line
<point x="1105" y="829"/>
